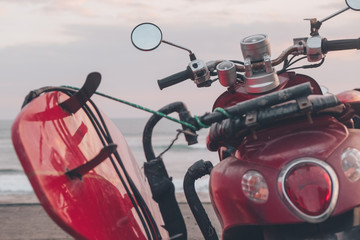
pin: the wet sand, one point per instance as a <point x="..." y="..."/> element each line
<point x="23" y="218"/>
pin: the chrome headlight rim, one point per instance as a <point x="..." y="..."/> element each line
<point x="335" y="189"/>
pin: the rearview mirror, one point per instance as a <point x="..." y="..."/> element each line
<point x="146" y="36"/>
<point x="353" y="4"/>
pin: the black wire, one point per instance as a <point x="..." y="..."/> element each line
<point x="97" y="127"/>
<point x="297" y="60"/>
<point x="238" y="62"/>
<point x="171" y="144"/>
<point x="213" y="73"/>
<point x="309" y="66"/>
<point x="105" y="137"/>
<point x="240" y="77"/>
<point x="289" y="63"/>
<point x="145" y="210"/>
<point x="286" y="64"/>
<point x="142" y="204"/>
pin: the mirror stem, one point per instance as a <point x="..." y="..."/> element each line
<point x="333" y="15"/>
<point x="192" y="55"/>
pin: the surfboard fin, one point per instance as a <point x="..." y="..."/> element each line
<point x="85" y="168"/>
<point x="79" y="99"/>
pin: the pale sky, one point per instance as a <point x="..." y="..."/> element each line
<point x="58" y="42"/>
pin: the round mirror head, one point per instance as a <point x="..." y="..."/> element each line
<point x="146" y="36"/>
<point x="353" y="4"/>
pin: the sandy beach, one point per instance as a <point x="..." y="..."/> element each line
<point x="23" y="218"/>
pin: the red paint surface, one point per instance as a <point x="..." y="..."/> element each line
<point x="268" y="154"/>
<point x="273" y="148"/>
<point x="238" y="92"/>
<point x="48" y="141"/>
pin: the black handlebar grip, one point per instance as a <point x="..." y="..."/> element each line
<point x="337" y="45"/>
<point x="175" y="78"/>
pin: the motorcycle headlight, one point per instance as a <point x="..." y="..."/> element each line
<point x="350" y="160"/>
<point x="310" y="188"/>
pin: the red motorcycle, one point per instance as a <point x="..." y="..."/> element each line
<point x="289" y="153"/>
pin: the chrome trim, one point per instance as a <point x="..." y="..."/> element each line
<point x="335" y="189"/>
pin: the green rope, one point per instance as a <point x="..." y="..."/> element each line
<point x="140" y="107"/>
<point x="221" y="110"/>
<point x="202" y="125"/>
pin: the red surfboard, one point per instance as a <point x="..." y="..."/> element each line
<point x="50" y="142"/>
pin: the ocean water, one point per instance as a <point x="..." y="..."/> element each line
<point x="177" y="160"/>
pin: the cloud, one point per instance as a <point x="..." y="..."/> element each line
<point x="131" y="74"/>
<point x="65" y="43"/>
<point x="2" y="11"/>
<point x="75" y="6"/>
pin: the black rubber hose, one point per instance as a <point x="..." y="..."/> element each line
<point x="163" y="192"/>
<point x="178" y="107"/>
<point x="255" y="104"/>
<point x="162" y="187"/>
<point x="196" y="171"/>
<point x="226" y="130"/>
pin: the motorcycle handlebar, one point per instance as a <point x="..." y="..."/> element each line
<point x="255" y="104"/>
<point x="326" y="46"/>
<point x="175" y="78"/>
<point x="337" y="45"/>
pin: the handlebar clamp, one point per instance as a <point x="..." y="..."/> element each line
<point x="200" y="72"/>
